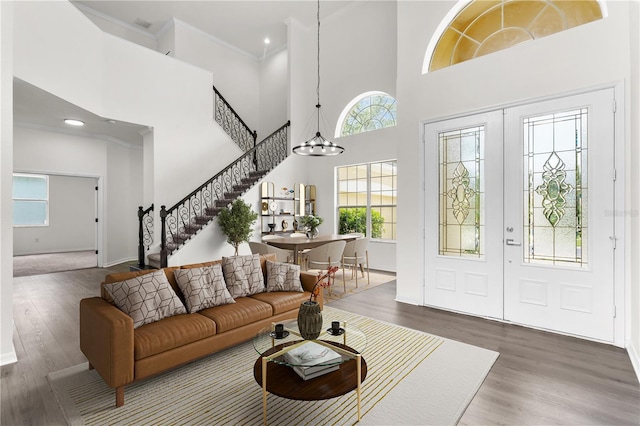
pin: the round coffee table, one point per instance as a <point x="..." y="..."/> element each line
<point x="276" y="374"/>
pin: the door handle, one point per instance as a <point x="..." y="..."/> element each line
<point x="510" y="242"/>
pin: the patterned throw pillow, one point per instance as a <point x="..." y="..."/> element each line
<point x="243" y="275"/>
<point x="283" y="277"/>
<point x="146" y="298"/>
<point x="203" y="287"/>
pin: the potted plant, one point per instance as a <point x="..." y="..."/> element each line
<point x="236" y="221"/>
<point x="311" y="223"/>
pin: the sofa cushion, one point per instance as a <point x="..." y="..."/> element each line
<point x="171" y="333"/>
<point x="283" y="277"/>
<point x="122" y="276"/>
<point x="243" y="275"/>
<point x="245" y="311"/>
<point x="146" y="298"/>
<point x="282" y="301"/>
<point x="203" y="287"/>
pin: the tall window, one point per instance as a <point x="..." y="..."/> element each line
<point x="30" y="200"/>
<point x="370" y="111"/>
<point x="367" y="199"/>
<point x="478" y="27"/>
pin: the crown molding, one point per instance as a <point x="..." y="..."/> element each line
<point x="77" y="132"/>
<point x="113" y="20"/>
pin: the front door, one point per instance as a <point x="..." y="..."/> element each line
<point x="518" y="215"/>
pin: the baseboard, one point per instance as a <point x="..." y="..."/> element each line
<point x="408" y="301"/>
<point x="635" y="359"/>
<point x="54" y="251"/>
<point x="118" y="262"/>
<point x="9" y="357"/>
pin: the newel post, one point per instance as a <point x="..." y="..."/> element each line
<point x="163" y="237"/>
<point x="140" y="238"/>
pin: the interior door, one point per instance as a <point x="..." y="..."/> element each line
<point x="558" y="223"/>
<point x="463" y="209"/>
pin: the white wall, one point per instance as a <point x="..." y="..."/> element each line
<point x="235" y="74"/>
<point x="120" y="189"/>
<point x="72" y="219"/>
<point x="633" y="194"/>
<point x="273" y="93"/>
<point x="576" y="59"/>
<point x="356" y="45"/>
<point x="7" y="350"/>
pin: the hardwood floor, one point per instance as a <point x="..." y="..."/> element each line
<point x="539" y="378"/>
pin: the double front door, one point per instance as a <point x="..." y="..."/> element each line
<point x="518" y="215"/>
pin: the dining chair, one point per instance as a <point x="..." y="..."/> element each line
<point x="326" y="255"/>
<point x="356" y="255"/>
<point x="282" y="255"/>
<point x="302" y="257"/>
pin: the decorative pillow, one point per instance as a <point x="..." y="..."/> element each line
<point x="243" y="275"/>
<point x="146" y="298"/>
<point x="283" y="277"/>
<point x="203" y="287"/>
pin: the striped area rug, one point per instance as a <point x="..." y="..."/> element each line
<point x="220" y="389"/>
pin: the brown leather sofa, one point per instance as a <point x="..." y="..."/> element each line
<point x="122" y="354"/>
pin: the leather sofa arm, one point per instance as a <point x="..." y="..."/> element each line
<point x="308" y="280"/>
<point x="106" y="339"/>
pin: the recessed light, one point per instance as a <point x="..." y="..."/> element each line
<point x="73" y="122"/>
<point x="267" y="41"/>
<point x="111" y="121"/>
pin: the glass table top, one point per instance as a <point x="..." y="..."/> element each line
<point x="342" y="346"/>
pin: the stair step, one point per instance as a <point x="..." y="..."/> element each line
<point x="179" y="239"/>
<point x="212" y="211"/>
<point x="232" y="195"/>
<point x="241" y="187"/>
<point x="191" y="229"/>
<point x="223" y="203"/>
<point x="257" y="173"/>
<point x="202" y="220"/>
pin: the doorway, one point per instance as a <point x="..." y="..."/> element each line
<point x="519" y="202"/>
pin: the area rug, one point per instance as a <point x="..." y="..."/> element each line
<point x="413" y="378"/>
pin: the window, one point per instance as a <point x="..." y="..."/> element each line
<point x="476" y="28"/>
<point x="370" y="111"/>
<point x="30" y="200"/>
<point x="367" y="199"/>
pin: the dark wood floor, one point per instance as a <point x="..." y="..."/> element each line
<point x="539" y="378"/>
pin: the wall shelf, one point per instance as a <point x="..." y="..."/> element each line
<point x="284" y="211"/>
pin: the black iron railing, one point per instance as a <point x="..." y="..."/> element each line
<point x="145" y="232"/>
<point x="231" y="122"/>
<point x="184" y="219"/>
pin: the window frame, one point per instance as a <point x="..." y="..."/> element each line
<point x="45" y="200"/>
<point x="346" y="112"/>
<point x="369" y="206"/>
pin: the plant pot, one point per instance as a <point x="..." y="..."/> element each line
<point x="312" y="233"/>
<point x="310" y="320"/>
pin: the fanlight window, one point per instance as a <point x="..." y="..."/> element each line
<point x="479" y="27"/>
<point x="370" y="111"/>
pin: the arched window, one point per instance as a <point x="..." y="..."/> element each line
<point x="369" y="111"/>
<point x="478" y="27"/>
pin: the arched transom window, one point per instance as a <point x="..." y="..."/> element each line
<point x="369" y="111"/>
<point x="478" y="27"/>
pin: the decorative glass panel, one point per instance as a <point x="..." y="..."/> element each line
<point x="555" y="190"/>
<point x="371" y="112"/>
<point x="482" y="27"/>
<point x="461" y="160"/>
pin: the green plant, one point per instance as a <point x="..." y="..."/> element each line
<point x="355" y="220"/>
<point x="236" y="221"/>
<point x="310" y="221"/>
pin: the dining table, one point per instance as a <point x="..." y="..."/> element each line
<point x="298" y="244"/>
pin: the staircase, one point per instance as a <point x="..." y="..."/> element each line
<point x="182" y="221"/>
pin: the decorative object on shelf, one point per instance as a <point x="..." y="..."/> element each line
<point x="235" y="221"/>
<point x="286" y="192"/>
<point x="273" y="206"/>
<point x="272" y="227"/>
<point x="318" y="146"/>
<point x="295" y="225"/>
<point x="285" y="225"/>
<point x="310" y="314"/>
<point x="265" y="207"/>
<point x="311" y="223"/>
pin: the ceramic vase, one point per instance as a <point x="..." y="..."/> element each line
<point x="310" y="320"/>
<point x="312" y="233"/>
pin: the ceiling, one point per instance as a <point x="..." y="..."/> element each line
<point x="35" y="108"/>
<point x="242" y="24"/>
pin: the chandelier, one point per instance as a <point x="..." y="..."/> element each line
<point x="318" y="145"/>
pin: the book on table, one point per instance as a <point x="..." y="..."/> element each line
<point x="312" y="360"/>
